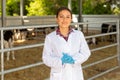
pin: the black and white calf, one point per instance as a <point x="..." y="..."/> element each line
<point x="8" y="43"/>
<point x="92" y="41"/>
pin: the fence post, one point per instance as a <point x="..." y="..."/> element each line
<point x="118" y="41"/>
<point x="2" y="56"/>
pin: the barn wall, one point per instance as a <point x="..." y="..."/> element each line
<point x="95" y="18"/>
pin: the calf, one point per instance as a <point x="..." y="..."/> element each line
<point x="92" y="40"/>
<point x="20" y="34"/>
<point x="106" y="28"/>
<point x="8" y="42"/>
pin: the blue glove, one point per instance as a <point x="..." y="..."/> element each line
<point x="67" y="59"/>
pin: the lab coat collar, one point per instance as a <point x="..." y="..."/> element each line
<point x="59" y="33"/>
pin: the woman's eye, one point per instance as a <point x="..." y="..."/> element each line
<point x="68" y="17"/>
<point x="61" y="17"/>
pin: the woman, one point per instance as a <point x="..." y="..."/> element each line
<point x="65" y="49"/>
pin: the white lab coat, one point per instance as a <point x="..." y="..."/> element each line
<point x="76" y="46"/>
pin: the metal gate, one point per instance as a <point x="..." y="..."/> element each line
<point x="3" y="71"/>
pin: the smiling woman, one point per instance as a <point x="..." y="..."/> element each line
<point x="64" y="19"/>
<point x="65" y="49"/>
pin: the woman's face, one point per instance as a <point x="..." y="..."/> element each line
<point x="64" y="19"/>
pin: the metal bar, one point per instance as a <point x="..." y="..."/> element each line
<point x="80" y="11"/>
<point x="107" y="46"/>
<point x="2" y="56"/>
<point x="107" y="71"/>
<point x="69" y="5"/>
<point x="22" y="11"/>
<point x="81" y="23"/>
<point x="26" y="27"/>
<point x="100" y="61"/>
<point x="103" y="34"/>
<point x="118" y="41"/>
<point x="3" y="5"/>
<point x="21" y="8"/>
<point x="22" y="68"/>
<point x="23" y="47"/>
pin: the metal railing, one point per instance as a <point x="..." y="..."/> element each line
<point x="3" y="71"/>
<point x="107" y="46"/>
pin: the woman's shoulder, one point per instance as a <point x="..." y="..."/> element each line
<point x="51" y="34"/>
<point x="77" y="31"/>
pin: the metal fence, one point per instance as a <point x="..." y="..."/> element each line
<point x="2" y="50"/>
<point x="107" y="46"/>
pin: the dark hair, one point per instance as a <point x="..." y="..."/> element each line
<point x="63" y="8"/>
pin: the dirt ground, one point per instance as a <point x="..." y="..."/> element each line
<point x="33" y="55"/>
<point x="113" y="75"/>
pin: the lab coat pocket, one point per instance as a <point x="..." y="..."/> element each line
<point x="67" y="72"/>
<point x="56" y="76"/>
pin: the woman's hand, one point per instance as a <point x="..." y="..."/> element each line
<point x="67" y="59"/>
